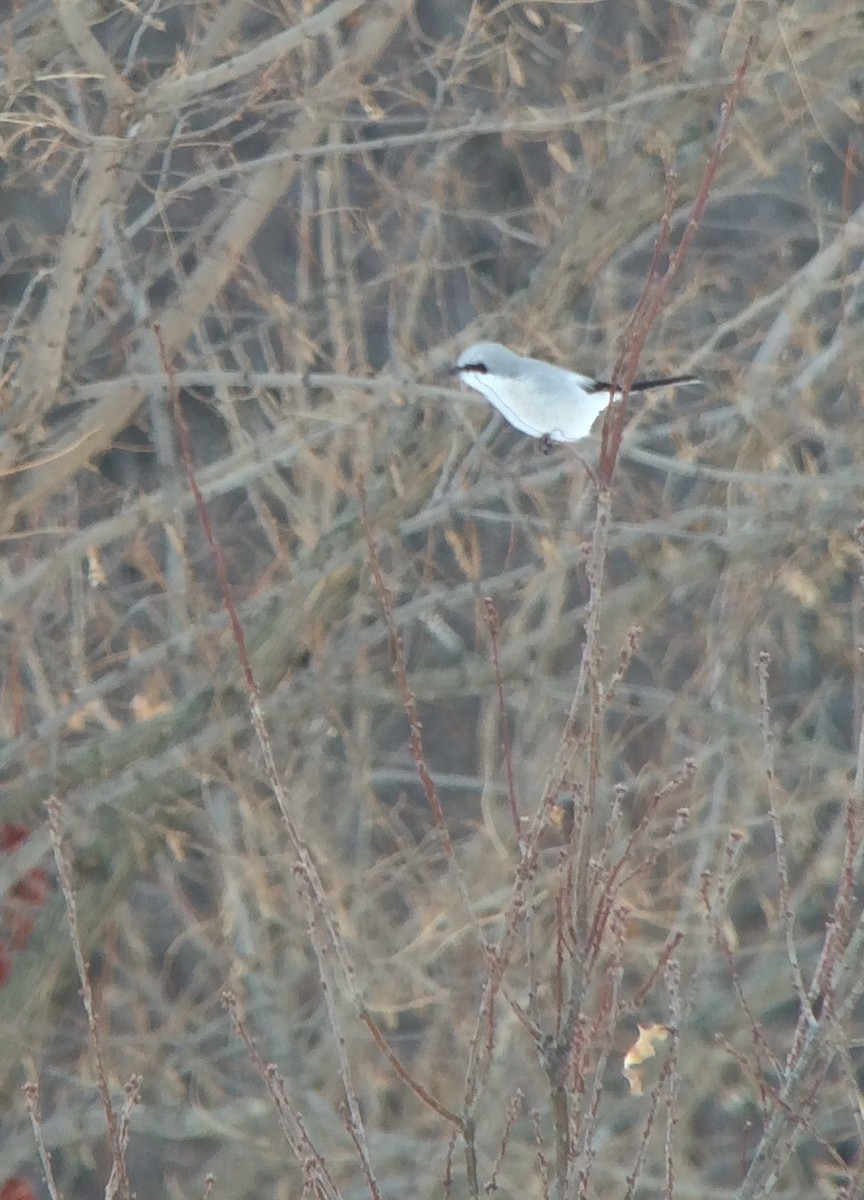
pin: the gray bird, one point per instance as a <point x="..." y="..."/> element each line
<point x="538" y="398"/>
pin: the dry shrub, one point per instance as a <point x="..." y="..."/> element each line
<point x="636" y="786"/>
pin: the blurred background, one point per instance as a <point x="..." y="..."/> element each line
<point x="320" y="205"/>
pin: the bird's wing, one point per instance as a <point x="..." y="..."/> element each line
<point x="588" y="383"/>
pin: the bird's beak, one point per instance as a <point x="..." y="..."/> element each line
<point x="454" y="370"/>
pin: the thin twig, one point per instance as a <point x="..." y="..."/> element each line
<point x="31" y="1098"/>
<point x="506" y="749"/>
<point x="656" y="290"/>
<point x="117" y="1132"/>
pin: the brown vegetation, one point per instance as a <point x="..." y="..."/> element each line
<point x="509" y="777"/>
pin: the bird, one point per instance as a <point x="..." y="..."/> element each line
<point x="538" y="398"/>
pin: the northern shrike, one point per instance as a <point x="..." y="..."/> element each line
<point x="538" y="398"/>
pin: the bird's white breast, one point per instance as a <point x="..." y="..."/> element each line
<point x="551" y="404"/>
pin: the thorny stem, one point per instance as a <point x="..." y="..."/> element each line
<point x="650" y="303"/>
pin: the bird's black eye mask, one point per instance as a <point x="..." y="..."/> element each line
<point x="479" y="368"/>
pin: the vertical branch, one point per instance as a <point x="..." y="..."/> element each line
<point x="506" y="749"/>
<point x="117" y="1132"/>
<point x="31" y="1099"/>
<point x="305" y="867"/>
<point x="313" y="1164"/>
<point x="42" y="363"/>
<point x="353" y="1118"/>
<point x="91" y="53"/>
<point x="787" y="917"/>
<point x="415" y="728"/>
<point x="654" y="295"/>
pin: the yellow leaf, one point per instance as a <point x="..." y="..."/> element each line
<point x="650" y="1038"/>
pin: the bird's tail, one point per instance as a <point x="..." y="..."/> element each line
<point x="645" y="385"/>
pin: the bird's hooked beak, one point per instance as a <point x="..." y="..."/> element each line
<point x="454" y="370"/>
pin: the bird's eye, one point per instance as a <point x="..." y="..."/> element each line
<point x="478" y="368"/>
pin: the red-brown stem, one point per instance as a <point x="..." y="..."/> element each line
<point x="64" y="875"/>
<point x="654" y="295"/>
<point x="203" y="515"/>
<point x="492" y="625"/>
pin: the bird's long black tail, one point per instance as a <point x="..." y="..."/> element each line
<point x="645" y="385"/>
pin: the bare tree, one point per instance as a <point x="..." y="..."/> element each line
<point x="615" y="777"/>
